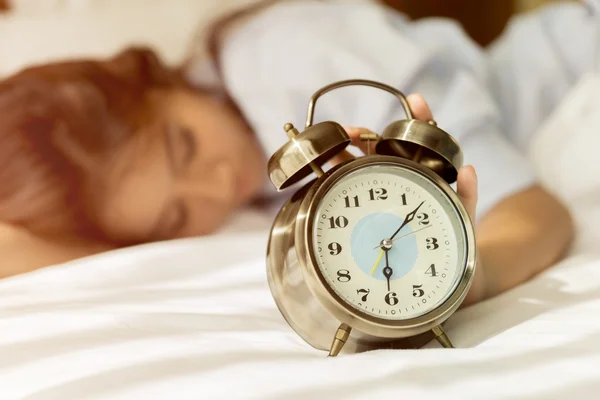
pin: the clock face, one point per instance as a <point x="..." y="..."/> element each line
<point x="389" y="242"/>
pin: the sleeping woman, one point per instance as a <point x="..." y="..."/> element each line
<point x="97" y="155"/>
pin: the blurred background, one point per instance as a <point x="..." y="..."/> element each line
<point x="38" y="31"/>
<point x="484" y="20"/>
<point x="41" y="31"/>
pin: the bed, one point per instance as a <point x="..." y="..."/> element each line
<point x="192" y="319"/>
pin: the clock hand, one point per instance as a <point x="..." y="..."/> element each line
<point x="377" y="262"/>
<point x="403" y="236"/>
<point x="409" y="217"/>
<point x="387" y="271"/>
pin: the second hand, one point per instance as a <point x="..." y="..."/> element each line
<point x="377" y="262"/>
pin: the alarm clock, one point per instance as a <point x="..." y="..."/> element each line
<point x="375" y="250"/>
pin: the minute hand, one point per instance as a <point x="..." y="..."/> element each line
<point x="409" y="217"/>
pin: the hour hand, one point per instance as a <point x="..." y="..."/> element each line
<point x="387" y="271"/>
<point x="407" y="220"/>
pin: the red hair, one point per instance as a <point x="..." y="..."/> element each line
<point x="59" y="126"/>
<point x="4" y="5"/>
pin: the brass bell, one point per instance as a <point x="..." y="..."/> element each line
<point x="425" y="143"/>
<point x="306" y="152"/>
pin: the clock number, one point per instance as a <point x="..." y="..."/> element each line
<point x="339" y="222"/>
<point x="432" y="243"/>
<point x="378" y="194"/>
<point x="431" y="271"/>
<point x="423" y="219"/>
<point x="404" y="202"/>
<point x="351" y="201"/>
<point x="364" y="292"/>
<point x="391" y="299"/>
<point x="417" y="291"/>
<point x="343" y="275"/>
<point x="335" y="248"/>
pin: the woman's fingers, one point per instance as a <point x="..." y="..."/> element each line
<point x="366" y="146"/>
<point x="467" y="177"/>
<point x="467" y="192"/>
<point x="419" y="107"/>
<point x="420" y="110"/>
<point x="467" y="189"/>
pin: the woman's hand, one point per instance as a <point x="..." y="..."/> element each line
<point x="466" y="183"/>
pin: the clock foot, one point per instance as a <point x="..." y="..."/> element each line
<point x="339" y="340"/>
<point x="441" y="337"/>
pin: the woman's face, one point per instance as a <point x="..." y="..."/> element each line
<point x="186" y="173"/>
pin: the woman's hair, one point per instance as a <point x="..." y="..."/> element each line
<point x="59" y="126"/>
<point x="61" y="123"/>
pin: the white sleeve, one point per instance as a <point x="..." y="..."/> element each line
<point x="538" y="59"/>
<point x="275" y="64"/>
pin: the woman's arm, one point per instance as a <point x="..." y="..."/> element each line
<point x="520" y="237"/>
<point x="23" y="252"/>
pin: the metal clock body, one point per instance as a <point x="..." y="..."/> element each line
<point x="377" y="250"/>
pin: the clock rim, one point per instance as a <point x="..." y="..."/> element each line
<point x="331" y="301"/>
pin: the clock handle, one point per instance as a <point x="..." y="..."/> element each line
<point x="355" y="82"/>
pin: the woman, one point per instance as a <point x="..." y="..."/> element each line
<point x="139" y="155"/>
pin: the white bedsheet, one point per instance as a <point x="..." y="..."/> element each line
<point x="193" y="319"/>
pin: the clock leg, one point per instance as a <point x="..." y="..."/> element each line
<point x="339" y="340"/>
<point x="441" y="337"/>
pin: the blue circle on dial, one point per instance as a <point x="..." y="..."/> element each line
<point x="370" y="231"/>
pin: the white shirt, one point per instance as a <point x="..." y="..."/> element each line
<point x="538" y="60"/>
<point x="273" y="64"/>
